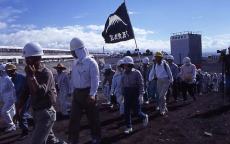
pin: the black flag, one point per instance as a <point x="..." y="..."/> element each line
<point x="118" y="26"/>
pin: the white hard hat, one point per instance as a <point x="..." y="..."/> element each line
<point x="128" y="60"/>
<point x="32" y="49"/>
<point x="2" y="67"/>
<point x="108" y="66"/>
<point x="145" y="60"/>
<point x="170" y="57"/>
<point x="186" y="60"/>
<point x="120" y="62"/>
<point x="76" y="43"/>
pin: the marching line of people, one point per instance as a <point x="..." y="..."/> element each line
<point x="129" y="87"/>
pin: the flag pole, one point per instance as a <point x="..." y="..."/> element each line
<point x="139" y="57"/>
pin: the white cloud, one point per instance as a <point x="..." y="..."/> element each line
<point x="216" y="42"/>
<point x="9" y="13"/>
<point x="59" y="37"/>
<point x="140" y="31"/>
<point x="53" y="37"/>
<point x="80" y="16"/>
<point x="3" y="25"/>
<point x="7" y="16"/>
<point x="18" y="27"/>
<point x="197" y="17"/>
<point x="96" y="27"/>
<point x="132" y="12"/>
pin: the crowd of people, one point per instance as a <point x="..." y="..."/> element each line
<point x="127" y="87"/>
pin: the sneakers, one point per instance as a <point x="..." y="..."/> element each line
<point x="128" y="130"/>
<point x="158" y="108"/>
<point x="111" y="106"/>
<point x="146" y="102"/>
<point x="10" y="129"/>
<point x="146" y="121"/>
<point x="96" y="141"/>
<point x="163" y="113"/>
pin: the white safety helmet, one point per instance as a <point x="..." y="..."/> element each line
<point x="2" y="67"/>
<point x="108" y="66"/>
<point x="145" y="60"/>
<point x="76" y="43"/>
<point x="32" y="49"/>
<point x="170" y="57"/>
<point x="186" y="60"/>
<point x="120" y="62"/>
<point x="128" y="60"/>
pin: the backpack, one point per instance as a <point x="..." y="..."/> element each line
<point x="154" y="66"/>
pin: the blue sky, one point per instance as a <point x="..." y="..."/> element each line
<point x="53" y="23"/>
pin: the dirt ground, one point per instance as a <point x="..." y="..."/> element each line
<point x="206" y="120"/>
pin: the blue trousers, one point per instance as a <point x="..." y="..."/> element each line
<point x="152" y="90"/>
<point x="132" y="102"/>
<point x="24" y="116"/>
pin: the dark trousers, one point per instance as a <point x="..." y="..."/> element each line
<point x="187" y="87"/>
<point x="199" y="87"/>
<point x="146" y="96"/>
<point x="227" y="86"/>
<point x="132" y="102"/>
<point x="24" y="116"/>
<point x="81" y="103"/>
<point x="152" y="89"/>
<point x="173" y="90"/>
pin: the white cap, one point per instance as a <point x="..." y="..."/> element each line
<point x="170" y="57"/>
<point x="76" y="43"/>
<point x="2" y="67"/>
<point x="120" y="62"/>
<point x="145" y="60"/>
<point x="186" y="60"/>
<point x="32" y="49"/>
<point x="108" y="66"/>
<point x="128" y="60"/>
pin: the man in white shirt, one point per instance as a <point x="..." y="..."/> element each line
<point x="162" y="73"/>
<point x="85" y="80"/>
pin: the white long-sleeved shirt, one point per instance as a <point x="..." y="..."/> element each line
<point x="188" y="71"/>
<point x="7" y="90"/>
<point x="85" y="73"/>
<point x="161" y="71"/>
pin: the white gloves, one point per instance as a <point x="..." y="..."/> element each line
<point x="141" y="99"/>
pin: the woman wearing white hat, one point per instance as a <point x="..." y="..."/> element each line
<point x="8" y="96"/>
<point x="133" y="90"/>
<point x="116" y="86"/>
<point x="188" y="76"/>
